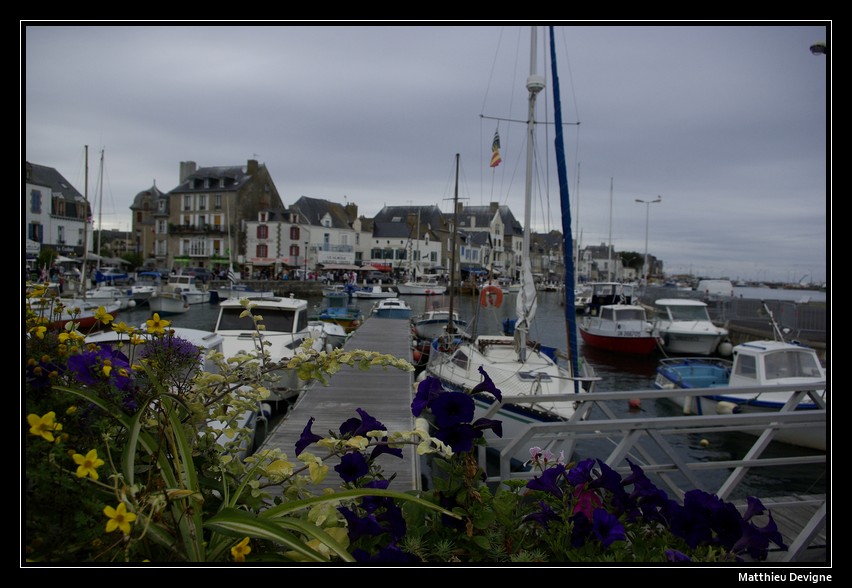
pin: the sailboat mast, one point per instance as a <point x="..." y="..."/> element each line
<point x="535" y="84"/>
<point x="100" y="206"/>
<point x="609" y="249"/>
<point x="83" y="272"/>
<point x="450" y="326"/>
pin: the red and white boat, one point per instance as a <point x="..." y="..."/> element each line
<point x="622" y="328"/>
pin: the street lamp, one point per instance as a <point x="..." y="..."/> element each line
<point x="647" y="204"/>
<point x="305" y="276"/>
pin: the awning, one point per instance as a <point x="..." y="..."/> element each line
<point x="340" y="266"/>
<point x="376" y="268"/>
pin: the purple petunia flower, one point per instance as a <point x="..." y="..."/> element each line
<point x="486" y="385"/>
<point x="483" y="424"/>
<point x="352" y="466"/>
<point x="429" y="389"/>
<point x="452" y="408"/>
<point x="358" y="527"/>
<point x="548" y="481"/>
<point x="459" y="437"/>
<point x="607" y="528"/>
<point x="544" y="516"/>
<point x="307" y="437"/>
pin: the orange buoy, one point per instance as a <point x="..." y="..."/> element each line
<point x="634" y="403"/>
<point x="491" y="297"/>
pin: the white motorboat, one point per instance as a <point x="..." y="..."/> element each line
<point x="374" y="292"/>
<point x="426" y="285"/>
<point x="104" y="293"/>
<point x="391" y="308"/>
<point x="433" y="323"/>
<point x="168" y="303"/>
<point x="685" y="328"/>
<point x="762" y="364"/>
<point x="285" y="330"/>
<point x="186" y="284"/>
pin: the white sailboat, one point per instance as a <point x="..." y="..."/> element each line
<point x="425" y="284"/>
<point x="514" y="366"/>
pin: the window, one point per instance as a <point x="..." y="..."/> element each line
<point x="747" y="367"/>
<point x="217" y="222"/>
<point x="326" y="241"/>
<point x="161" y="205"/>
<point x="35" y="201"/>
<point x="35" y="232"/>
<point x="263" y="217"/>
<point x="261" y="250"/>
<point x="294" y="233"/>
<point x="79" y="236"/>
<point x="60" y="235"/>
<point x="202" y="221"/>
<point x="375" y="253"/>
<point x="202" y="202"/>
<point x="262" y="232"/>
<point x="433" y="256"/>
<point x="294" y="251"/>
<point x="217" y="201"/>
<point x="357" y="238"/>
<point x="161" y="227"/>
<point x="187" y="202"/>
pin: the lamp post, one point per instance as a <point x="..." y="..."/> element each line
<point x="305" y="277"/>
<point x="647" y="204"/>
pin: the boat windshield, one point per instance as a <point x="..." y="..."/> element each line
<point x="791" y="364"/>
<point x="274" y="320"/>
<point x="688" y="313"/>
<point x="631" y="314"/>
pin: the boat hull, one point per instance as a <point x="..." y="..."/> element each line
<point x="420" y="289"/>
<point x="694" y="373"/>
<point x="627" y="345"/>
<point x="690" y="342"/>
<point x="168" y="304"/>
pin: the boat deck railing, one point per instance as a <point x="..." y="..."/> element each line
<point x="651" y="442"/>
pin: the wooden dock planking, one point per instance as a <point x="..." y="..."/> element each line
<point x="385" y="393"/>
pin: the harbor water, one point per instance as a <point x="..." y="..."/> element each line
<point x="616" y="372"/>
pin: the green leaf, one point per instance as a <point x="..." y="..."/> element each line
<point x="239" y="524"/>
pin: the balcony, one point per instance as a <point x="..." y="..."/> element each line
<point x="336" y="248"/>
<point x="196" y="229"/>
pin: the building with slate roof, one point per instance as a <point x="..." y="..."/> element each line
<point x="207" y="212"/>
<point x="328" y="225"/>
<point x="393" y="240"/>
<point x="55" y="213"/>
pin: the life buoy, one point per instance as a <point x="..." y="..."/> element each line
<point x="491" y="297"/>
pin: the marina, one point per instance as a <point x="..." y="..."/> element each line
<point x="698" y="450"/>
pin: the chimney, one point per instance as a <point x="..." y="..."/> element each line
<point x="495" y="206"/>
<point x="251" y="167"/>
<point x="187" y="168"/>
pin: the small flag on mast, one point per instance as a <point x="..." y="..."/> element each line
<point x="495" y="150"/>
<point x="232" y="276"/>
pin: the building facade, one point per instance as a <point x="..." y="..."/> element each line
<point x="56" y="215"/>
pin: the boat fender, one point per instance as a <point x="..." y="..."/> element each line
<point x="688" y="404"/>
<point x="725" y="349"/>
<point x="131" y="304"/>
<point x="491" y="297"/>
<point x="727" y="408"/>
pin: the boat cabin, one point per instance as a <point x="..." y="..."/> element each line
<point x="773" y="362"/>
<point x="608" y="293"/>
<point x="280" y="315"/>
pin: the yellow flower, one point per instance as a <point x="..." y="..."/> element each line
<point x="103" y="316"/>
<point x="241" y="550"/>
<point x="155" y="325"/>
<point x="73" y="335"/>
<point x="122" y="327"/>
<point x="88" y="464"/>
<point x="39" y="331"/>
<point x="107" y="367"/>
<point x="44" y="426"/>
<point x="119" y="518"/>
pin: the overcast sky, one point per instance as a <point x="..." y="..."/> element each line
<point x="727" y="123"/>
